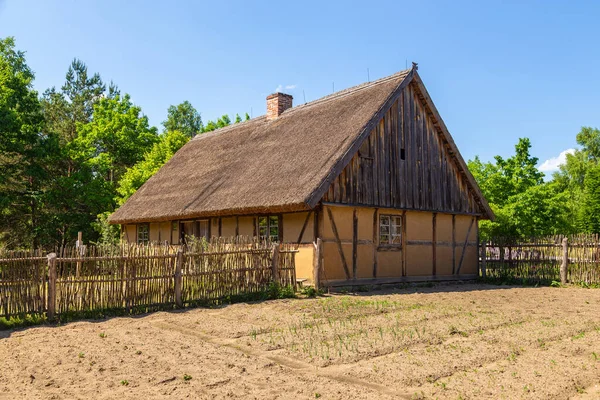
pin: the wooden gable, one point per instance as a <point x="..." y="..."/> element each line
<point x="407" y="161"/>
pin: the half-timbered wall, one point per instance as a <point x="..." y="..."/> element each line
<point x="404" y="163"/>
<point x="434" y="245"/>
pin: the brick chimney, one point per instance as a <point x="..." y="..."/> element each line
<point x="277" y="103"/>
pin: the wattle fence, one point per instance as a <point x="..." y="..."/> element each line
<point x="565" y="259"/>
<point x="141" y="278"/>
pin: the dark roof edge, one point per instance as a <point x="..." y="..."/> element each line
<point x="248" y="211"/>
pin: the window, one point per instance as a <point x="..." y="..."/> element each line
<point x="390" y="230"/>
<point x="143" y="234"/>
<point x="268" y="228"/>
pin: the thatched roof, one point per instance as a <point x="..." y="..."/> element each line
<point x="260" y="166"/>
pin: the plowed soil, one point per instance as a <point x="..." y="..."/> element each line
<point x="444" y="342"/>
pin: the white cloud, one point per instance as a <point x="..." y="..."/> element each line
<point x="280" y="88"/>
<point x="553" y="163"/>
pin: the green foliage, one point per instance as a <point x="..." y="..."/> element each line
<point x="219" y="123"/>
<point x="109" y="235"/>
<point x="22" y="149"/>
<point x="160" y="153"/>
<point x="311" y="292"/>
<point x="115" y="139"/>
<point x="590" y="214"/>
<point x="524" y="205"/>
<point x="185" y="119"/>
<point x="277" y="291"/>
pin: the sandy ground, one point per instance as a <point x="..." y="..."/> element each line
<point x="446" y="342"/>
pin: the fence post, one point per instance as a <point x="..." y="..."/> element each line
<point x="80" y="252"/>
<point x="483" y="259"/>
<point x="51" y="309"/>
<point x="275" y="262"/>
<point x="565" y="262"/>
<point x="317" y="263"/>
<point x="178" y="278"/>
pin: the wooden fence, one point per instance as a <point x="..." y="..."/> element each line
<point x="573" y="259"/>
<point x="126" y="277"/>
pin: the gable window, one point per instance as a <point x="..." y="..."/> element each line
<point x="390" y="230"/>
<point x="268" y="228"/>
<point x="143" y="234"/>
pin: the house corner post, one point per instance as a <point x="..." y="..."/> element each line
<point x="51" y="301"/>
<point x="483" y="259"/>
<point x="178" y="278"/>
<point x="317" y="263"/>
<point x="564" y="267"/>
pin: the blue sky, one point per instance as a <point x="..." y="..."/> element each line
<point x="497" y="70"/>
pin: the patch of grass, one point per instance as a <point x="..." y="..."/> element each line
<point x="311" y="292"/>
<point x="455" y="331"/>
<point x="187" y="377"/>
<point x="125" y="382"/>
<point x="22" y="321"/>
<point x="580" y="335"/>
<point x="81" y="355"/>
<point x="102" y="335"/>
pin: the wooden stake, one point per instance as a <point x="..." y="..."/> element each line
<point x="79" y="247"/>
<point x="565" y="262"/>
<point x="51" y="286"/>
<point x="178" y="278"/>
<point x="483" y="259"/>
<point x="275" y="262"/>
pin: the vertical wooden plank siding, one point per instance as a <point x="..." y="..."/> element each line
<point x="427" y="178"/>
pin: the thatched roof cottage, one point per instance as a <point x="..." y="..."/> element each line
<point x="371" y="170"/>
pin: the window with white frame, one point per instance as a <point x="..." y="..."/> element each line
<point x="390" y="230"/>
<point x="268" y="228"/>
<point x="143" y="234"/>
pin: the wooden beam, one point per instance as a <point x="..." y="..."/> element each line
<point x="280" y="227"/>
<point x="449" y="212"/>
<point x="348" y="241"/>
<point x="399" y="279"/>
<point x="303" y="228"/>
<point x="433" y="244"/>
<point x="453" y="244"/>
<point x="338" y="242"/>
<point x="375" y="226"/>
<point x="478" y="244"/>
<point x="404" y="243"/>
<point x="237" y="226"/>
<point x="220" y="226"/>
<point x="462" y="256"/>
<point x="316" y="224"/>
<point x="354" y="243"/>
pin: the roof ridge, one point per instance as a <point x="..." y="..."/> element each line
<point x="351" y="90"/>
<point x="329" y="97"/>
